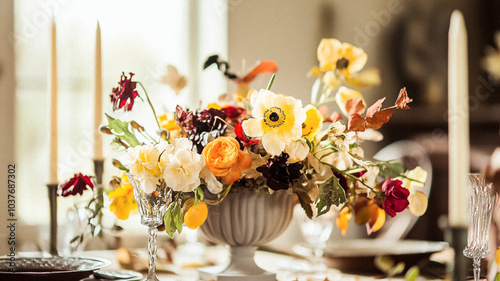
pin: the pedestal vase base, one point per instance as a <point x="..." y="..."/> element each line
<point x="219" y="274"/>
<point x="241" y="267"/>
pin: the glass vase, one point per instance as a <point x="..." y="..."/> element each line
<point x="152" y="207"/>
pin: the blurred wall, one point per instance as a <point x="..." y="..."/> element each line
<point x="7" y="84"/>
<point x="289" y="31"/>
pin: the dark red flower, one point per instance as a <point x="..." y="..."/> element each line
<point x="278" y="173"/>
<point x="76" y="185"/>
<point x="124" y="93"/>
<point x="234" y="113"/>
<point x="242" y="138"/>
<point x="396" y="197"/>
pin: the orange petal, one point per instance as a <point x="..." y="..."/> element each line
<point x="266" y="66"/>
<point x="377" y="220"/>
<point x="343" y="220"/>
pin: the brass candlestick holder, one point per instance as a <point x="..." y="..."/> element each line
<point x="52" y="189"/>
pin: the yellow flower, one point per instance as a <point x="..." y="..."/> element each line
<point x="313" y="123"/>
<point x="167" y="122"/>
<point x="123" y="199"/>
<point x="214" y="105"/>
<point x="334" y="55"/>
<point x="276" y="118"/>
<point x="344" y="94"/>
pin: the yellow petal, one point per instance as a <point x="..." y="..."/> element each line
<point x="344" y="94"/>
<point x="367" y="78"/>
<point x="328" y="53"/>
<point x="313" y="123"/>
<point x="342" y="220"/>
<point x="418" y="203"/>
<point x="314" y="72"/>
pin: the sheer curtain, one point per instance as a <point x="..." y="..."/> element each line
<point x="137" y="36"/>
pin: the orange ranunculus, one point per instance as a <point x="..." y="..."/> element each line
<point x="225" y="159"/>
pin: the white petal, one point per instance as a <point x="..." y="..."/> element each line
<point x="252" y="127"/>
<point x="272" y="143"/>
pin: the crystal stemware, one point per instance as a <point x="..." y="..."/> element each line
<point x="316" y="231"/>
<point x="152" y="207"/>
<point x="481" y="205"/>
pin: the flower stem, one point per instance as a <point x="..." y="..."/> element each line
<point x="150" y="104"/>
<point x="271" y="82"/>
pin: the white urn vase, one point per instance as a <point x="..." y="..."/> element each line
<point x="244" y="220"/>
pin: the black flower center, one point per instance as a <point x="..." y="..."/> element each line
<point x="274" y="117"/>
<point x="342" y="63"/>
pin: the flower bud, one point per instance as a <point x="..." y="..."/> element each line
<point x="136" y="126"/>
<point x="105" y="130"/>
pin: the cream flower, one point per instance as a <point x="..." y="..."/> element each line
<point x="370" y="179"/>
<point x="182" y="166"/>
<point x="342" y="142"/>
<point x="417" y="199"/>
<point x="297" y="150"/>
<point x="318" y="159"/>
<point x="343" y="57"/>
<point x="143" y="164"/>
<point x="276" y="119"/>
<point x="213" y="185"/>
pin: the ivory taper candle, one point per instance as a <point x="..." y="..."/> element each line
<point x="98" y="96"/>
<point x="458" y="121"/>
<point x="53" y="106"/>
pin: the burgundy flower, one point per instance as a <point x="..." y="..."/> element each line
<point x="396" y="197"/>
<point x="242" y="138"/>
<point x="76" y="185"/>
<point x="201" y="126"/>
<point x="342" y="181"/>
<point x="124" y="93"/>
<point x="278" y="173"/>
<point x="234" y="113"/>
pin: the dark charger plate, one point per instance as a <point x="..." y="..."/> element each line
<point x="50" y="268"/>
<point x="357" y="255"/>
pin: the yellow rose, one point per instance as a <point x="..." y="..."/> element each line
<point x="225" y="159"/>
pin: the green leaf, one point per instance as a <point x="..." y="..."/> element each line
<point x="391" y="169"/>
<point x="168" y="219"/>
<point x="305" y="202"/>
<point x="201" y="194"/>
<point x="121" y="131"/>
<point x="330" y="193"/>
<point x="177" y="217"/>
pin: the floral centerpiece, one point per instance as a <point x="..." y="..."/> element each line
<point x="273" y="139"/>
<point x="267" y="143"/>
